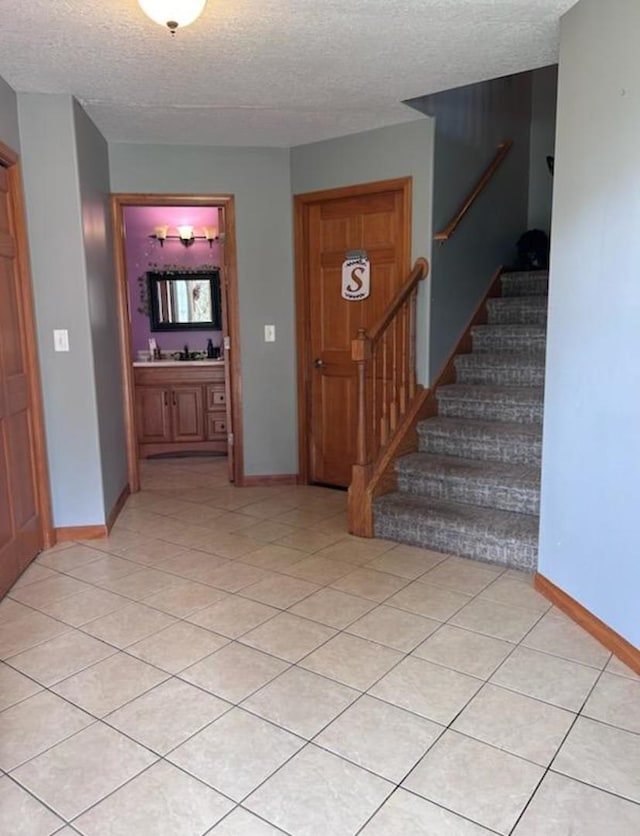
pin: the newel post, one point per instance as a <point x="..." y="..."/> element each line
<point x="360" y="514"/>
<point x="360" y="354"/>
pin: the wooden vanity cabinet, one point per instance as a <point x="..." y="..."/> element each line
<point x="180" y="409"/>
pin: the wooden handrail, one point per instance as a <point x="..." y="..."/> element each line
<point x="483" y="182"/>
<point x="420" y="271"/>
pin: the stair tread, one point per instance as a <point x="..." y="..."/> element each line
<point x="502" y="358"/>
<point x="525" y="284"/>
<point x="451" y="467"/>
<point x="515" y="275"/>
<point x="514" y="328"/>
<point x="486" y="392"/>
<point x="473" y="518"/>
<point x="518" y="302"/>
<point x="473" y="427"/>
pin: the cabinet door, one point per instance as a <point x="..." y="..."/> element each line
<point x="188" y="413"/>
<point x="153" y="415"/>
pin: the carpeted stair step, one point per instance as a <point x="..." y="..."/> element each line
<point x="532" y="283"/>
<point x="523" y="405"/>
<point x="501" y="537"/>
<point x="517" y="310"/>
<point x="507" y="487"/>
<point x="500" y="369"/>
<point x="517" y="338"/>
<point x="486" y="440"/>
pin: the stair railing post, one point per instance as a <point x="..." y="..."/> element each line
<point x="361" y="354"/>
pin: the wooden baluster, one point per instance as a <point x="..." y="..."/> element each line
<point x="393" y="409"/>
<point x="412" y="343"/>
<point x="360" y="354"/>
<point x="373" y="414"/>
<point x="384" y="420"/>
<point x="404" y="359"/>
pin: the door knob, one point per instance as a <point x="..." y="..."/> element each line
<point x="318" y="363"/>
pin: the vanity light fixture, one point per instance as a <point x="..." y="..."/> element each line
<point x="173" y="14"/>
<point x="185" y="235"/>
<point x="161" y="232"/>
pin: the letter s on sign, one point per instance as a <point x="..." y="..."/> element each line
<point x="356" y="275"/>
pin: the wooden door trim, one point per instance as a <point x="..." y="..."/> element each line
<point x="11" y="161"/>
<point x="302" y="204"/>
<point x="226" y="203"/>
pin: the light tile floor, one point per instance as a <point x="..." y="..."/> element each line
<point x="231" y="662"/>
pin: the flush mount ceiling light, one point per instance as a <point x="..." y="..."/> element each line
<point x="173" y="14"/>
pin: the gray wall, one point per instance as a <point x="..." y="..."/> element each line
<point x="9" y="132"/>
<point x="260" y="180"/>
<point x="470" y="123"/>
<point x="384" y="154"/>
<point x="50" y="173"/>
<point x="591" y="448"/>
<point x="544" y="86"/>
<point x="93" y="172"/>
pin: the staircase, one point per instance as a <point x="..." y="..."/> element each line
<point x="473" y="487"/>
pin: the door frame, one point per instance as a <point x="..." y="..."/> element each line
<point x="11" y="161"/>
<point x="231" y="323"/>
<point x="302" y="204"/>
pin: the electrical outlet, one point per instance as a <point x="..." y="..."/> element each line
<point x="61" y="339"/>
<point x="269" y="333"/>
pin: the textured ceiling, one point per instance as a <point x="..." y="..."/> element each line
<point x="267" y="72"/>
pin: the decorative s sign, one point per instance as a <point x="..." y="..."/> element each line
<point x="356" y="276"/>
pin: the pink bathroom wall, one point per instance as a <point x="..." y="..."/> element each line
<point x="143" y="254"/>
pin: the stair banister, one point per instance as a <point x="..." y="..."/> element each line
<point x="385" y="359"/>
<point x="446" y="233"/>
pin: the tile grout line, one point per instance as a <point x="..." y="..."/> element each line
<point x="562" y="742"/>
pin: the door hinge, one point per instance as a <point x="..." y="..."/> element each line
<point x="227" y="343"/>
<point x="230" y="440"/>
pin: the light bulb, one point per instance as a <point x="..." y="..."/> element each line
<point x="173" y="13"/>
<point x="185" y="232"/>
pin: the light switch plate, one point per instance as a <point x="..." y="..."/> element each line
<point x="61" y="339"/>
<point x="269" y="333"/>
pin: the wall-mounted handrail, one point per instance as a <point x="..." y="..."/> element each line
<point x="483" y="182"/>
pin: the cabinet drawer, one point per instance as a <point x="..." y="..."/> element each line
<point x="216" y="426"/>
<point x="216" y="397"/>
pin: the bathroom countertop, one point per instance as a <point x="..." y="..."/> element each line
<point x="152" y="363"/>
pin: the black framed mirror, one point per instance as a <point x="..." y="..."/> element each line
<point x="188" y="301"/>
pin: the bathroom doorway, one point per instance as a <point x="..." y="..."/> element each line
<point x="177" y="295"/>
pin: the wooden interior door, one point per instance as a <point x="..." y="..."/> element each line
<point x="21" y="534"/>
<point x="375" y="218"/>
